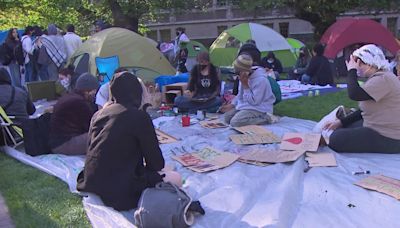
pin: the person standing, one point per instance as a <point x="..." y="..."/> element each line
<point x="72" y="41"/>
<point x="14" y="53"/>
<point x="180" y="37"/>
<point x="28" y="48"/>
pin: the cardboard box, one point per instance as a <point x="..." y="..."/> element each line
<point x="173" y="90"/>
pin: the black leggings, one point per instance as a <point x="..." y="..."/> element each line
<point x="358" y="139"/>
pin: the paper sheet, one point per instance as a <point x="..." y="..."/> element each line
<point x="301" y="141"/>
<point x="383" y="184"/>
<point x="272" y="156"/>
<point x="252" y="129"/>
<point x="207" y="159"/>
<point x="164" y="138"/>
<point x="321" y="159"/>
<point x="213" y="124"/>
<point x="247" y="139"/>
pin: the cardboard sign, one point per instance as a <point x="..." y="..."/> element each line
<point x="301" y="141"/>
<point x="207" y="159"/>
<point x="321" y="159"/>
<point x="383" y="184"/>
<point x="213" y="124"/>
<point x="253" y="130"/>
<point x="272" y="156"/>
<point x="164" y="138"/>
<point x="256" y="163"/>
<point x="248" y="139"/>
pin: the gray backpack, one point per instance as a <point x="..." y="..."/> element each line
<point x="165" y="205"/>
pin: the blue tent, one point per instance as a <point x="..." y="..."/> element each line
<point x="3" y="35"/>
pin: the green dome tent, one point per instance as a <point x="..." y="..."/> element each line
<point x="296" y="45"/>
<point x="134" y="52"/>
<point x="225" y="48"/>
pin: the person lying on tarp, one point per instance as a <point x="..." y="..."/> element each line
<point x="14" y="100"/>
<point x="123" y="157"/>
<point x="254" y="102"/>
<point x="71" y="116"/>
<point x="203" y="89"/>
<point x="376" y="127"/>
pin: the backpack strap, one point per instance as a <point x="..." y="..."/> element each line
<point x="11" y="99"/>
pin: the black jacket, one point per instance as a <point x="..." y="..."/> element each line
<point x="320" y="71"/>
<point x="121" y="138"/>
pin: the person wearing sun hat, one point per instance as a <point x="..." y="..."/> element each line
<point x="254" y="102"/>
<point x="375" y="128"/>
<point x="69" y="124"/>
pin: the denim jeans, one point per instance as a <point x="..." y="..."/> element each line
<point x="185" y="104"/>
<point x="305" y="79"/>
<point x="15" y="74"/>
<point x="29" y="72"/>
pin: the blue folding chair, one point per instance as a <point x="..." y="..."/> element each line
<point x="106" y="67"/>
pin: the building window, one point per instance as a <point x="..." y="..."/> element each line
<point x="165" y="35"/>
<point x="392" y="25"/>
<point x="271" y="25"/>
<point x="152" y="34"/>
<point x="284" y="29"/>
<point x="377" y="19"/>
<point x="221" y="3"/>
<point x="221" y="29"/>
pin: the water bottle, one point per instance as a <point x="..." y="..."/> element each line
<point x="317" y="92"/>
<point x="310" y="93"/>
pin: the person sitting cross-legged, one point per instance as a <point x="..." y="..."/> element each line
<point x="254" y="102"/>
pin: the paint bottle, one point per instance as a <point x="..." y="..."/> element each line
<point x="310" y="93"/>
<point x="200" y="115"/>
<point x="317" y="92"/>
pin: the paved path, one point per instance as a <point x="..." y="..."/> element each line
<point x="5" y="220"/>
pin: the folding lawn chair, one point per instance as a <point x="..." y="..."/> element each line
<point x="10" y="131"/>
<point x="106" y="67"/>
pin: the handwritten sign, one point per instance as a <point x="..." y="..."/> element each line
<point x="301" y="141"/>
<point x="253" y="130"/>
<point x="213" y="124"/>
<point x="272" y="156"/>
<point x="248" y="139"/>
<point x="164" y="138"/>
<point x="207" y="159"/>
<point x="383" y="184"/>
<point x="321" y="159"/>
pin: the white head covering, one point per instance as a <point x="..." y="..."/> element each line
<point x="372" y="55"/>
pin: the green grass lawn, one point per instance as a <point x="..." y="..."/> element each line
<point x="36" y="199"/>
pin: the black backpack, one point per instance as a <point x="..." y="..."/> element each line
<point x="19" y="54"/>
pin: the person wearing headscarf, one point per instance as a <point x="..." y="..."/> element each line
<point x="14" y="100"/>
<point x="203" y="89"/>
<point x="123" y="157"/>
<point x="70" y="120"/>
<point x="375" y="128"/>
<point x="52" y="54"/>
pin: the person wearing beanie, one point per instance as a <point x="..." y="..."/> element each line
<point x="203" y="89"/>
<point x="70" y="120"/>
<point x="123" y="155"/>
<point x="14" y="100"/>
<point x="375" y="128"/>
<point x="254" y="102"/>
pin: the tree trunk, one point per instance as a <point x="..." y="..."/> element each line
<point x="122" y="20"/>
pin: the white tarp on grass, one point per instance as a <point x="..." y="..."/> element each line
<point x="242" y="195"/>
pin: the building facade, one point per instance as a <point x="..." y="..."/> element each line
<point x="206" y="25"/>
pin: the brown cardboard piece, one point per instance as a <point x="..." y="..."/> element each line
<point x="164" y="138"/>
<point x="272" y="156"/>
<point x="383" y="184"/>
<point x="173" y="90"/>
<point x="252" y="129"/>
<point x="248" y="139"/>
<point x="321" y="159"/>
<point x="301" y="141"/>
<point x="207" y="159"/>
<point x="213" y="124"/>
